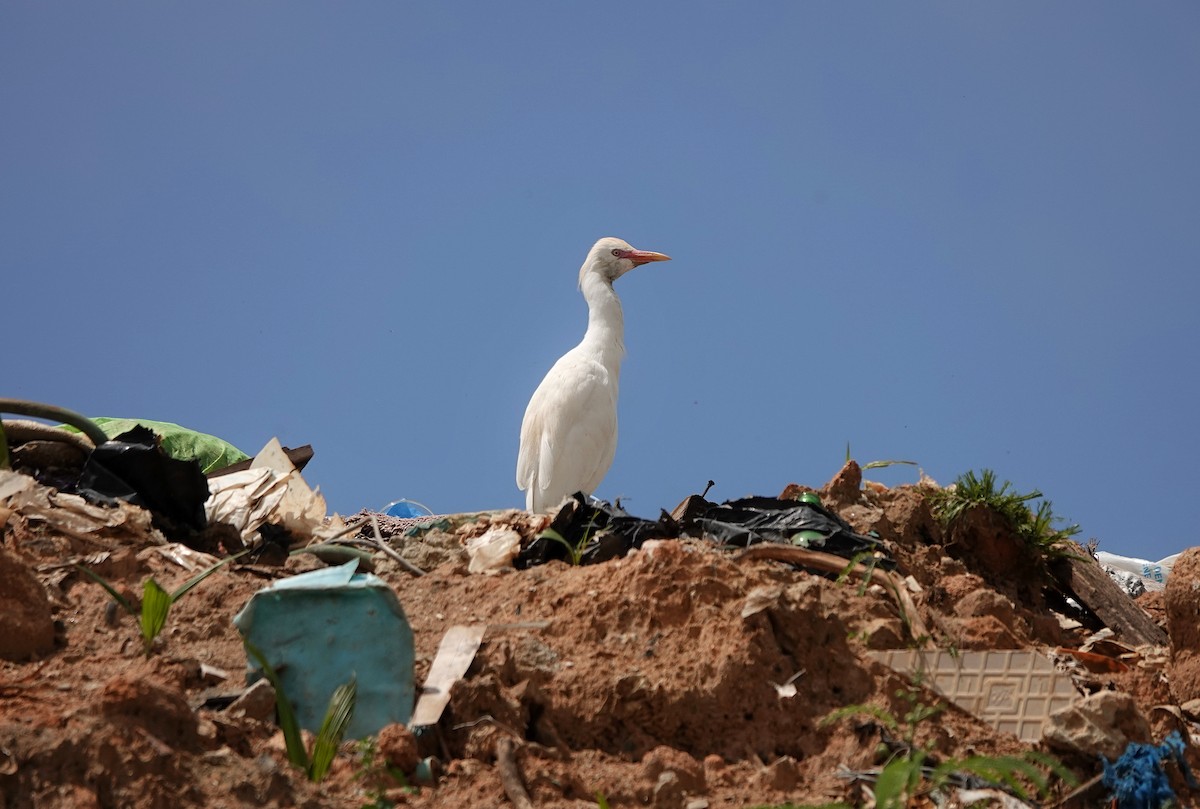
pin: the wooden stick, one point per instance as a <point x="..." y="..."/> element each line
<point x="830" y="563"/>
<point x="387" y="549"/>
<point x="510" y="776"/>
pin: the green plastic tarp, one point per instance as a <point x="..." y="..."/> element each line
<point x="178" y="442"/>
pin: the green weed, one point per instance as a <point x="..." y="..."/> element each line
<point x="333" y="727"/>
<point x="156" y="602"/>
<point x="574" y="551"/>
<point x="907" y="771"/>
<point x="1036" y="527"/>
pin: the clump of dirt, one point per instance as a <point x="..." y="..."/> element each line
<point x="680" y="675"/>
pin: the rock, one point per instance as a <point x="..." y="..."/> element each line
<point x="688" y="771"/>
<point x="26" y="622"/>
<point x="986" y="602"/>
<point x="256" y="702"/>
<point x="984" y="632"/>
<point x="398" y="747"/>
<point x="1182" y="599"/>
<point x="1101" y="724"/>
<point x="844" y="489"/>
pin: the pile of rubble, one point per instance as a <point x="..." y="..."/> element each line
<point x="764" y="651"/>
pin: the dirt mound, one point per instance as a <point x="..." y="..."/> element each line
<point x="681" y="675"/>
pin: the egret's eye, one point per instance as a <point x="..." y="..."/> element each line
<point x="617" y="252"/>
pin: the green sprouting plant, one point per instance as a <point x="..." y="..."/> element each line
<point x="601" y="800"/>
<point x="156" y="602"/>
<point x="907" y="771"/>
<point x="333" y="726"/>
<point x="574" y="551"/>
<point x="878" y="464"/>
<point x="1035" y="527"/>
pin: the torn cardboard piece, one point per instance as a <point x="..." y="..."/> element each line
<point x="272" y="491"/>
<point x="454" y="656"/>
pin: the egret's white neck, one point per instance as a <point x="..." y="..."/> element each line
<point x="606" y="323"/>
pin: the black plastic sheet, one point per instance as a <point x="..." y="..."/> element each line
<point x="132" y="467"/>
<point x="751" y="520"/>
<point x="603" y="530"/>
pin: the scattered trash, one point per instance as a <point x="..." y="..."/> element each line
<point x="1137" y="779"/>
<point x="270" y="492"/>
<point x="1137" y="576"/>
<point x="994" y="797"/>
<point x="493" y="551"/>
<point x="750" y="520"/>
<point x="319" y="629"/>
<point x="1083" y="579"/>
<point x="600" y="531"/>
<point x="178" y="442"/>
<point x="70" y="514"/>
<point x="133" y="468"/>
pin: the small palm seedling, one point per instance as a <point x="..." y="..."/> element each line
<point x="574" y="551"/>
<point x="909" y="770"/>
<point x="333" y="726"/>
<point x="156" y="602"/>
<point x="1035" y="527"/>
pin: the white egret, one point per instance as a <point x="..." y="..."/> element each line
<point x="569" y="434"/>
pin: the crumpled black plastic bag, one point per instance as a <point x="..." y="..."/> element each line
<point x="751" y="520"/>
<point x="132" y="467"/>
<point x="608" y="530"/>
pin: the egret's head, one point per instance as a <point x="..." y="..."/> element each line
<point x="610" y="258"/>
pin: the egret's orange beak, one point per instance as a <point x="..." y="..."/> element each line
<point x="645" y="257"/>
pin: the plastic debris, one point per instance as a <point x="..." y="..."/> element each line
<point x="1137" y="779"/>
<point x="750" y="520"/>
<point x="133" y="468"/>
<point x="406" y="509"/>
<point x="1136" y="576"/>
<point x="178" y="442"/>
<point x="493" y="551"/>
<point x="70" y="514"/>
<point x="602" y="531"/>
<point x="318" y="629"/>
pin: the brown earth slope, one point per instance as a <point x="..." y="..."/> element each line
<point x="681" y="675"/>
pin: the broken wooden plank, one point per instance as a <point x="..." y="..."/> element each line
<point x="300" y="456"/>
<point x="1087" y="583"/>
<point x="454" y="656"/>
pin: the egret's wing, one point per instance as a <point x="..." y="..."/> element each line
<point x="568" y="437"/>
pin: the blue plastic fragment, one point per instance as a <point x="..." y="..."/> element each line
<point x="1137" y="779"/>
<point x="320" y="628"/>
<point x="406" y="509"/>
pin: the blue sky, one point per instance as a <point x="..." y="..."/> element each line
<point x="962" y="234"/>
